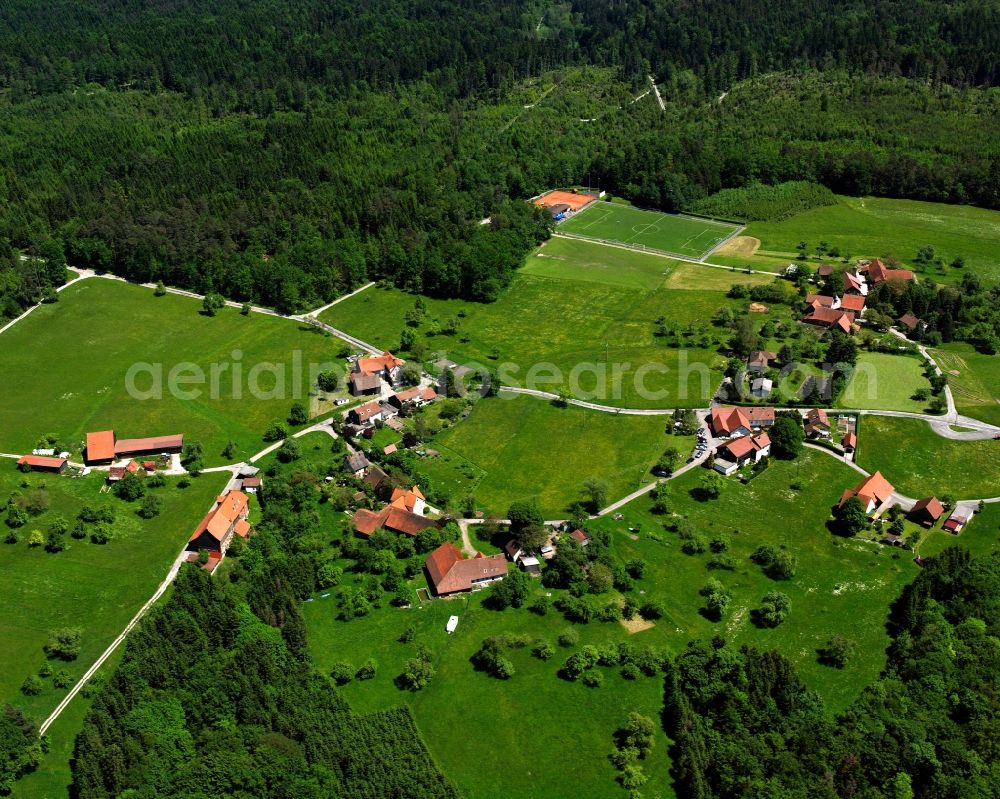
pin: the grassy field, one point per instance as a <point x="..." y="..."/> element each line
<point x="525" y="448"/>
<point x="652" y="230"/>
<point x="980" y="536"/>
<point x="884" y="382"/>
<point x="870" y="226"/>
<point x="559" y="731"/>
<point x="974" y="379"/>
<point x="918" y="462"/>
<point x="96" y="588"/>
<point x="568" y="311"/>
<point x="64" y="369"/>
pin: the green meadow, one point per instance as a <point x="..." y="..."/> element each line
<point x="580" y="304"/>
<point x="884" y="382"/>
<point x="918" y="462"/>
<point x="94" y="587"/>
<point x="559" y="731"/>
<point x="873" y="226"/>
<point x="525" y="448"/>
<point x="64" y="369"/>
<point x="974" y="379"/>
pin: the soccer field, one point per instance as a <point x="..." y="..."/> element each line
<point x="648" y="230"/>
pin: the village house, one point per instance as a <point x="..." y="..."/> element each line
<point x="738" y="451"/>
<point x="450" y="572"/>
<point x="761" y="387"/>
<point x="878" y="273"/>
<point x="367" y="414"/>
<point x="855" y="285"/>
<point x="874" y="491"/>
<point x="403" y="514"/>
<point x="523" y="559"/>
<point x="912" y="323"/>
<point x="729" y="422"/>
<point x="825" y="270"/>
<point x="830" y="318"/>
<point x="817" y="423"/>
<point x="850" y="442"/>
<point x="385" y="366"/>
<point x="356" y="463"/>
<point x="374" y="476"/>
<point x="414" y="397"/>
<point x="853" y="303"/>
<point x="582" y="537"/>
<point x="361" y="384"/>
<point x="954" y="524"/>
<point x="760" y="361"/>
<point x="927" y="511"/>
<point x="760" y="416"/>
<point x="226" y="519"/>
<point x="40" y="463"/>
<point x="104" y="446"/>
<point x="251" y="485"/>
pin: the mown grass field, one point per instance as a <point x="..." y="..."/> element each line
<point x="64" y="369"/>
<point x="526" y="448"/>
<point x="974" y="379"/>
<point x="552" y="315"/>
<point x="560" y="731"/>
<point x="980" y="536"/>
<point x="872" y="226"/>
<point x="884" y="382"/>
<point x="96" y="588"/>
<point x="918" y="462"/>
<point x="635" y="227"/>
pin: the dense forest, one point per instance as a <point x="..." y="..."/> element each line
<point x="285" y="151"/>
<point x="215" y="695"/>
<point x="744" y="724"/>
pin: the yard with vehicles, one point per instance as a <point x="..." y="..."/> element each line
<point x="100" y="329"/>
<point x="921" y="463"/>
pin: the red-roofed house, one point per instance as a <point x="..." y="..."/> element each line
<point x="955" y="524"/>
<point x="385" y="365"/>
<point x="403" y="514"/>
<point x="927" y="511"/>
<point x="817" y="423"/>
<point x="873" y="491"/>
<point x="854" y="284"/>
<point x="761" y="360"/>
<point x="367" y="414"/>
<point x="101" y="446"/>
<point x="104" y="446"/>
<point x="40" y="463"/>
<point x="735" y="452"/>
<point x="854" y="303"/>
<point x="911" y="322"/>
<point x="216" y="530"/>
<point x="361" y="384"/>
<point x="581" y="537"/>
<point x="878" y="272"/>
<point x="416" y="396"/>
<point x="450" y="572"/>
<point x="850" y="442"/>
<point x="729" y="422"/>
<point x="760" y="416"/>
<point x="834" y="319"/>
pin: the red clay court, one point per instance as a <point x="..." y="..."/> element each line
<point x="572" y="199"/>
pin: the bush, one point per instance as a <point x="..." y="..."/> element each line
<point x="342" y="673"/>
<point x="32" y="686"/>
<point x="569" y="638"/>
<point x="274" y="432"/>
<point x="630" y="672"/>
<point x="63" y="644"/>
<point x="651" y="611"/>
<point x="62" y="679"/>
<point x="593" y="679"/>
<point x="367" y="670"/>
<point x="543" y="650"/>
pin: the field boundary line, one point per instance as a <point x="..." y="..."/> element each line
<point x="719" y="245"/>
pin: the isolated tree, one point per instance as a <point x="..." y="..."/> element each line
<point x="212" y="303"/>
<point x="275" y="432"/>
<point x="328" y="380"/>
<point x="852" y="516"/>
<point x="710" y="485"/>
<point x="842" y="349"/>
<point x="511" y="592"/>
<point x="838" y="651"/>
<point x="298" y="415"/>
<point x="773" y="610"/>
<point x="596" y="491"/>
<point x="600" y="579"/>
<point x="63" y="643"/>
<point x="787" y="435"/>
<point x="160" y="289"/>
<point x="151" y="506"/>
<point x="130" y="487"/>
<point x="745" y="338"/>
<point x="523" y="513"/>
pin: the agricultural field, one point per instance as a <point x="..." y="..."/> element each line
<point x="974" y="379"/>
<point x="918" y="462"/>
<point x="96" y="588"/>
<point x="552" y="315"/>
<point x="526" y="448"/>
<point x="839" y="586"/>
<point x="872" y="226"/>
<point x="884" y="382"/>
<point x="88" y="340"/>
<point x="649" y="230"/>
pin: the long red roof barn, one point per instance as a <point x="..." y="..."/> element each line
<point x="101" y="446"/>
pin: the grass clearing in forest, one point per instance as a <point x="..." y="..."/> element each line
<point x="688" y="236"/>
<point x="64" y="369"/>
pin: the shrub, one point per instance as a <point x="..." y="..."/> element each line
<point x="367" y="670"/>
<point x="569" y="638"/>
<point x="63" y="644"/>
<point x="32" y="686"/>
<point x="651" y="611"/>
<point x="631" y="672"/>
<point x="543" y="650"/>
<point x="593" y="679"/>
<point x="62" y="679"/>
<point x="342" y="673"/>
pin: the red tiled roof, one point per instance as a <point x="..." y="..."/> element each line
<point x="406" y="499"/>
<point x="364" y="382"/>
<point x="450" y="571"/>
<point x="41" y="462"/>
<point x="425" y="394"/>
<point x="251" y="482"/>
<point x="131" y="467"/>
<point x="220" y="520"/>
<point x="853" y="302"/>
<point x="850" y="440"/>
<point x="931" y="506"/>
<point x="825" y="270"/>
<point x="131" y="446"/>
<point x="367" y="411"/>
<point x="851" y="283"/>
<point x="379" y="363"/>
<point x="727" y="420"/>
<point x="149" y="466"/>
<point x="954" y="523"/>
<point x="873" y="488"/>
<point x="819" y="300"/>
<point x="366" y="521"/>
<point x="101" y="445"/>
<point x="744" y="445"/>
<point x="757" y="415"/>
<point x="817" y="417"/>
<point x="909" y="321"/>
<point x="579" y="535"/>
<point x="831" y="317"/>
<point x="388" y="450"/>
<point x="880" y="273"/>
